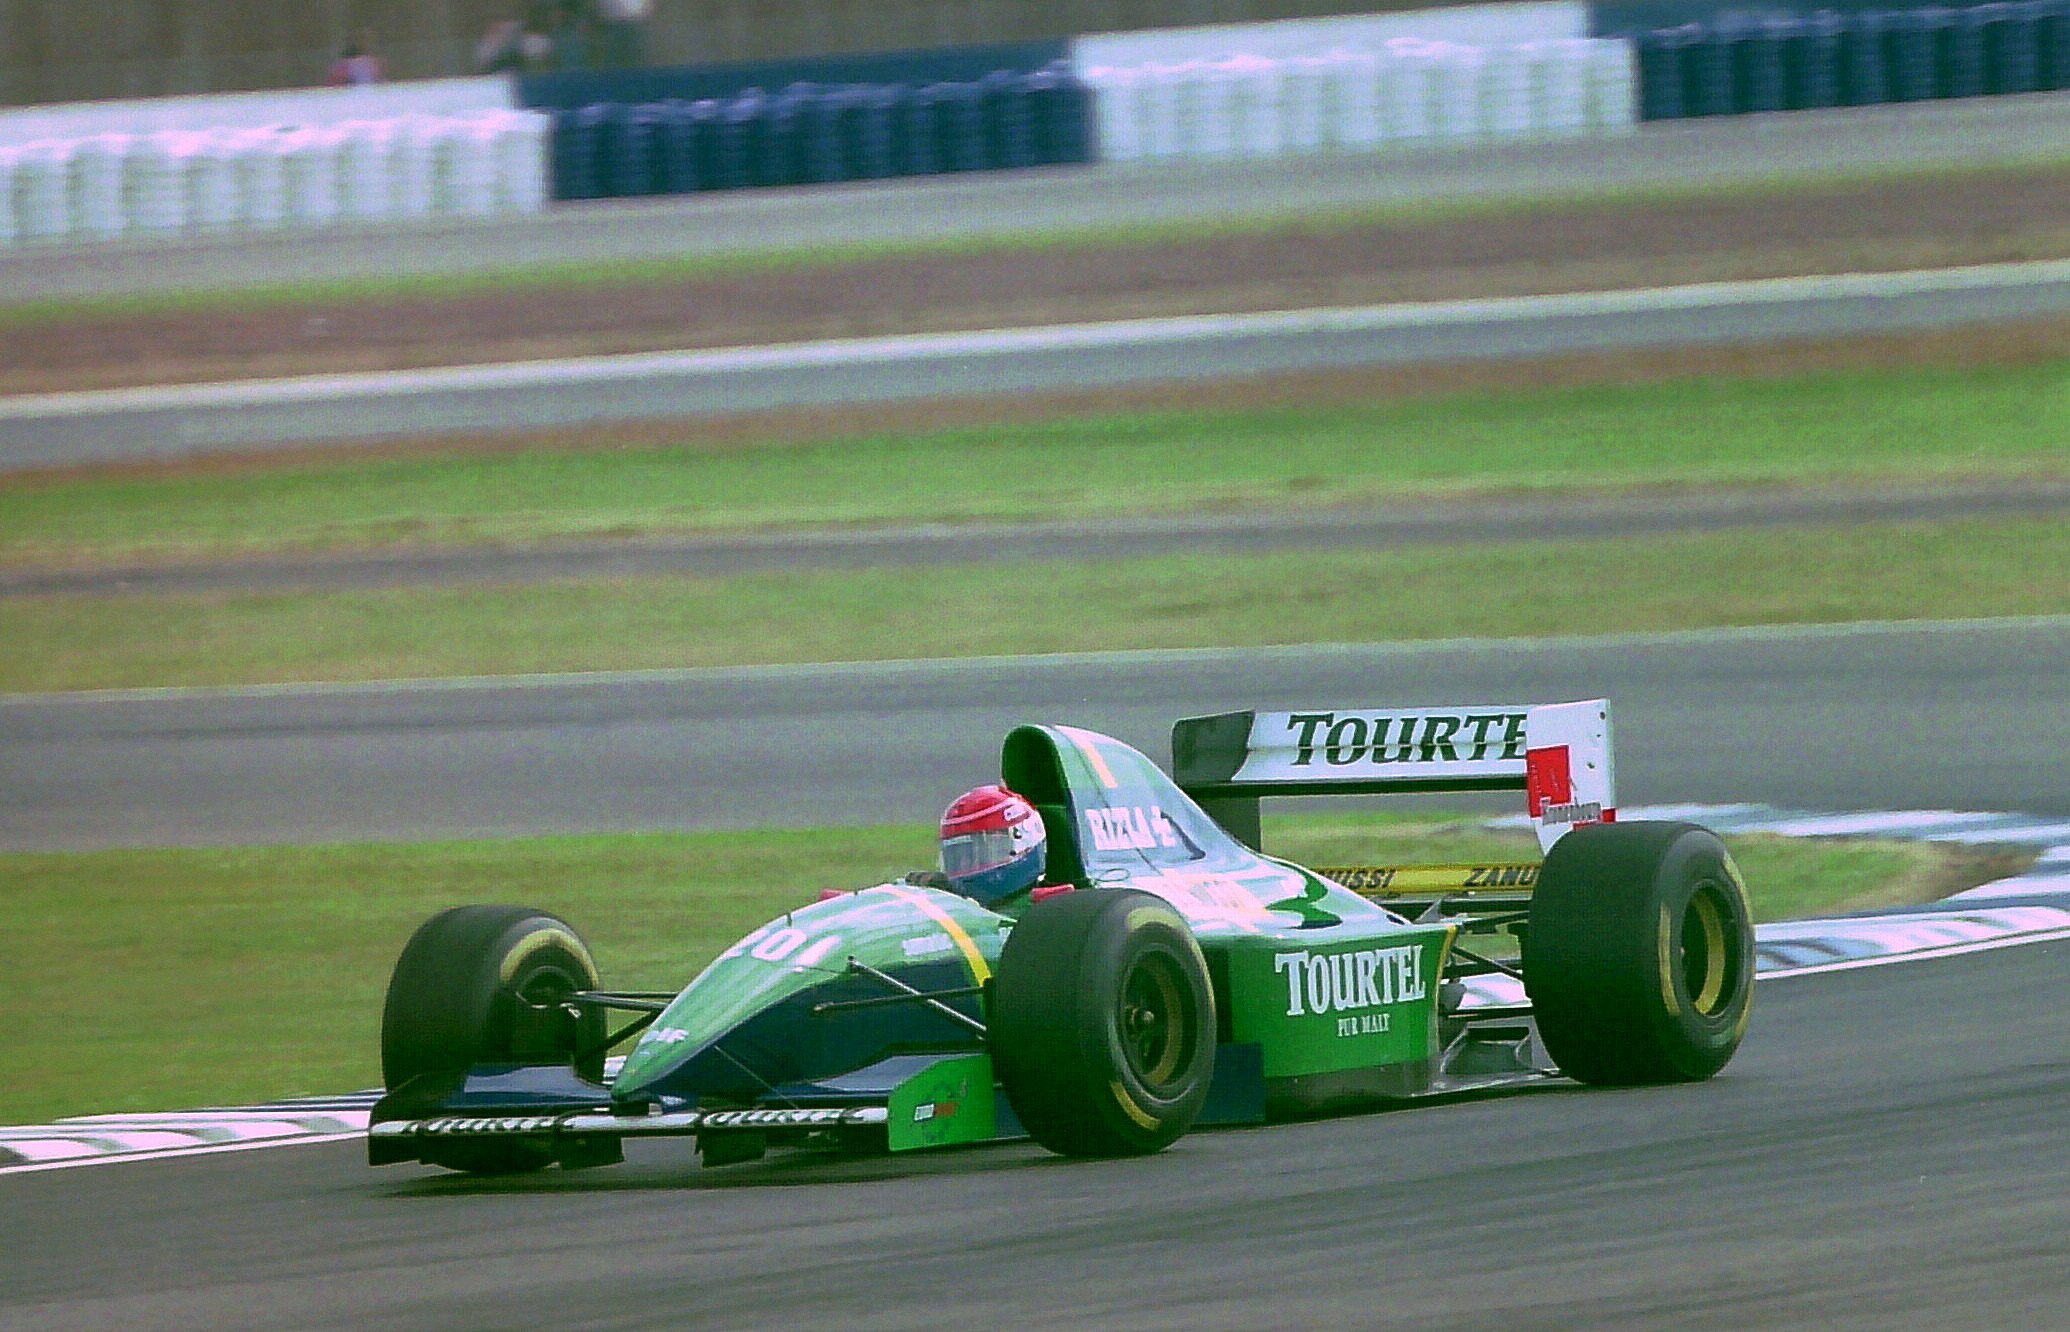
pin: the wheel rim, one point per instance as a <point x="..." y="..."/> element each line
<point x="1708" y="963"/>
<point x="546" y="985"/>
<point x="1156" y="1026"/>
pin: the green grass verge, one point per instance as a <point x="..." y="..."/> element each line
<point x="1771" y="576"/>
<point x="1909" y="426"/>
<point x="752" y="259"/>
<point x="169" y="979"/>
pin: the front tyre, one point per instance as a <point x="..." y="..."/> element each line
<point x="1639" y="956"/>
<point x="1102" y="1023"/>
<point x="488" y="985"/>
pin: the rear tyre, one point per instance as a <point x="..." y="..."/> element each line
<point x="487" y="985"/>
<point x="1639" y="956"/>
<point x="1102" y="1023"/>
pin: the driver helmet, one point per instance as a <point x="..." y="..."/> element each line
<point x="992" y="844"/>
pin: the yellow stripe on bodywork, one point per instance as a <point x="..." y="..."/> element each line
<point x="979" y="971"/>
<point x="1091" y="749"/>
<point x="1510" y="878"/>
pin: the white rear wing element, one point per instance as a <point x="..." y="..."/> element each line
<point x="1570" y="777"/>
<point x="1558" y="754"/>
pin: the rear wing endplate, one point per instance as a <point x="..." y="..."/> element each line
<point x="1558" y="754"/>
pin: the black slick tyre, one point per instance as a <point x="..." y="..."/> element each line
<point x="1102" y="1023"/>
<point x="484" y="985"/>
<point x="1639" y="954"/>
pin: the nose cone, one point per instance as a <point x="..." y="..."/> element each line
<point x="748" y="1022"/>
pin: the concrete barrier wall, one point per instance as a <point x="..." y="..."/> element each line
<point x="1411" y="91"/>
<point x="1356" y="82"/>
<point x="259" y="161"/>
<point x="233" y="178"/>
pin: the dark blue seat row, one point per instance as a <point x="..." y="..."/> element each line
<point x="812" y="133"/>
<point x="1733" y="66"/>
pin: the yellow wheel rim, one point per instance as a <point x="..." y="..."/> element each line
<point x="1706" y="963"/>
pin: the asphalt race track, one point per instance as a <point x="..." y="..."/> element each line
<point x="1885" y="1152"/>
<point x="1972" y="715"/>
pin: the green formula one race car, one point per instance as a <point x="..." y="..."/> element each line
<point x="1169" y="973"/>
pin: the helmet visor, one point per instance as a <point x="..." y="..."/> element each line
<point x="976" y="852"/>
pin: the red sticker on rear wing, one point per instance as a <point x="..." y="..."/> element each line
<point x="1569" y="776"/>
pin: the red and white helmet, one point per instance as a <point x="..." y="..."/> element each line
<point x="992" y="844"/>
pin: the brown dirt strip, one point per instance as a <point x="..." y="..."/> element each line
<point x="1976" y="217"/>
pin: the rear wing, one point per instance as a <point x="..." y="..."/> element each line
<point x="1557" y="754"/>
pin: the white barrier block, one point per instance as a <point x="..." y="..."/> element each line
<point x="523" y="147"/>
<point x="1361" y="105"/>
<point x="1564" y="84"/>
<point x="1461" y="106"/>
<point x="1113" y="113"/>
<point x="1213" y="112"/>
<point x="1412" y="82"/>
<point x="366" y="169"/>
<point x="1253" y="105"/>
<point x="1159" y="107"/>
<point x="261" y="179"/>
<point x="1506" y="101"/>
<point x="1310" y="106"/>
<point x="210" y="169"/>
<point x="294" y="106"/>
<point x="1612" y="80"/>
<point x="1475" y="25"/>
<point x="1183" y="91"/>
<point x="309" y="161"/>
<point x="412" y="183"/>
<point x="1553" y="87"/>
<point x="330" y="151"/>
<point x="1237" y="109"/>
<point x="98" y="167"/>
<point x="1260" y="96"/>
<point x="10" y="229"/>
<point x="417" y="179"/>
<point x="146" y="175"/>
<point x="105" y="185"/>
<point x="476" y="185"/>
<point x="43" y="193"/>
<point x="439" y="137"/>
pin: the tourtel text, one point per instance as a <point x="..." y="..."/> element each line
<point x="1370" y="978"/>
<point x="1345" y="738"/>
